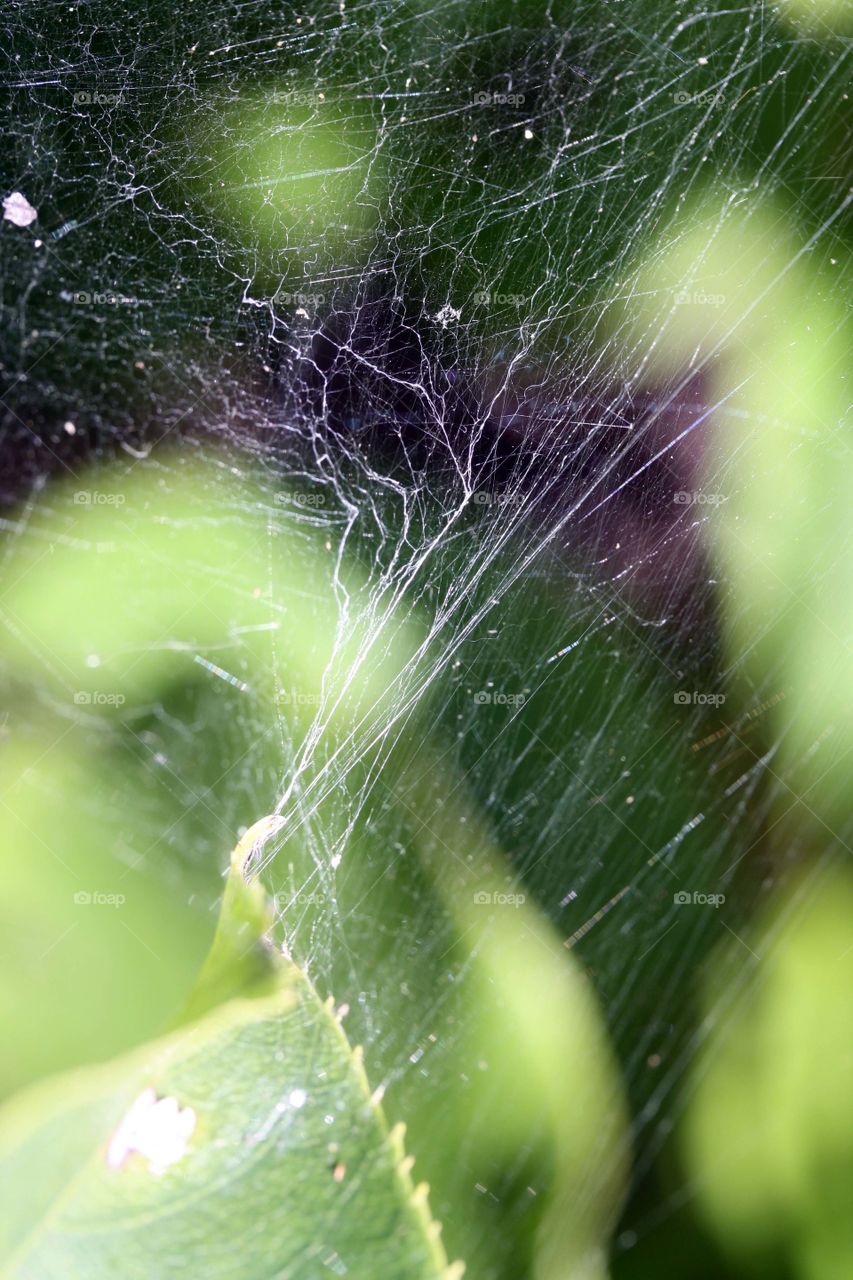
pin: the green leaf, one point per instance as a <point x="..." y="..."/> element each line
<point x="89" y="905"/>
<point x="739" y="296"/>
<point x="769" y="1135"/>
<point x="535" y="1022"/>
<point x="241" y="960"/>
<point x="245" y="1145"/>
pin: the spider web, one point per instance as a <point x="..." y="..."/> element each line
<point x="365" y="257"/>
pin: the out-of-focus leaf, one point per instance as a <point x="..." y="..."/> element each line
<point x="738" y="297"/>
<point x="769" y="1135"/>
<point x="295" y="174"/>
<point x="98" y="947"/>
<point x="534" y="1022"/>
<point x="821" y="18"/>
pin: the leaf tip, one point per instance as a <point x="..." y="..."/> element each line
<point x="252" y="841"/>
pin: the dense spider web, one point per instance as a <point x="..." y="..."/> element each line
<point x="407" y="354"/>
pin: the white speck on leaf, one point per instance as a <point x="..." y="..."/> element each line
<point x="18" y="210"/>
<point x="157" y="1128"/>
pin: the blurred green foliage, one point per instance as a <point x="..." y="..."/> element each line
<point x="297" y="177"/>
<point x="769" y="1135"/>
<point x="745" y="299"/>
